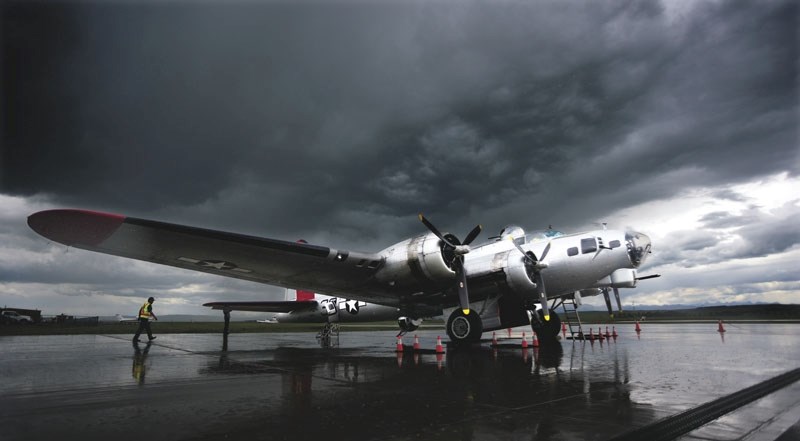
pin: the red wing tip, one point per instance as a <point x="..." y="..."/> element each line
<point x="75" y="227"/>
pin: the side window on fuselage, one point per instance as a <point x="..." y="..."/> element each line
<point x="588" y="245"/>
<point x="572" y="251"/>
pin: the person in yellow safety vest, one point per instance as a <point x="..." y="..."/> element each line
<point x="145" y="313"/>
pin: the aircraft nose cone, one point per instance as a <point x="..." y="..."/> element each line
<point x="638" y="247"/>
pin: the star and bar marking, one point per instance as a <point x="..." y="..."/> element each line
<point x="221" y="265"/>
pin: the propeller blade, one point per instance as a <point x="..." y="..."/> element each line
<point x="463" y="293"/>
<point x="607" y="298"/>
<point x="651" y="276"/>
<point x="434" y="230"/>
<point x="526" y="255"/>
<point x="473" y="234"/>
<point x="546" y="250"/>
<point x="543" y="297"/>
<point x="619" y="303"/>
<point x="530" y="257"/>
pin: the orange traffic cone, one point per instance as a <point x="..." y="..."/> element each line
<point x="494" y="339"/>
<point x="608" y="335"/>
<point x="591" y="334"/>
<point x="614" y="332"/>
<point x="564" y="328"/>
<point x="721" y="328"/>
<point x="439" y="348"/>
<point x="416" y="343"/>
<point x="524" y="341"/>
<point x="638" y="329"/>
<point x="535" y="341"/>
<point x="399" y="344"/>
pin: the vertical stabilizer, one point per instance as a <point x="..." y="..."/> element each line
<point x="301" y="295"/>
<point x="304" y="296"/>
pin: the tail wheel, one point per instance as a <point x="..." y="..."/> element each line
<point x="464" y="328"/>
<point x="546" y="330"/>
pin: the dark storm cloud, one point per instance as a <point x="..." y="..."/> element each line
<point x="729" y="195"/>
<point x="724" y="219"/>
<point x="770" y="234"/>
<point x="731" y="236"/>
<point x="351" y="118"/>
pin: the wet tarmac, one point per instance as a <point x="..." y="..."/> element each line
<point x="284" y="386"/>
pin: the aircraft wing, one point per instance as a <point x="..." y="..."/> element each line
<point x="285" y="306"/>
<point x="262" y="260"/>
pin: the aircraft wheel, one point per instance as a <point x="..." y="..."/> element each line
<point x="464" y="328"/>
<point x="546" y="330"/>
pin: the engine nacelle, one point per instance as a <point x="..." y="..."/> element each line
<point x="420" y="259"/>
<point x="518" y="275"/>
<point x="408" y="324"/>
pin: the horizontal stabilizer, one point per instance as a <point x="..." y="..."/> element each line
<point x="280" y="306"/>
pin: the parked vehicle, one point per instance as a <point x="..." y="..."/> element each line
<point x="13" y="317"/>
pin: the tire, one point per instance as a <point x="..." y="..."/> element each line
<point x="546" y="330"/>
<point x="464" y="328"/>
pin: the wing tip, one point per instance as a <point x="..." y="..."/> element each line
<point x="74" y="226"/>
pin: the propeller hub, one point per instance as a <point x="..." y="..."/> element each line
<point x="461" y="250"/>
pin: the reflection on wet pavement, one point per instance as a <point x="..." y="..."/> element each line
<point x="283" y="386"/>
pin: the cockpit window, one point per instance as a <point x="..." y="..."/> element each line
<point x="537" y="236"/>
<point x="614" y="244"/>
<point x="573" y="251"/>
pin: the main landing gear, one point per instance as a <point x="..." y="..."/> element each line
<point x="546" y="330"/>
<point x="464" y="328"/>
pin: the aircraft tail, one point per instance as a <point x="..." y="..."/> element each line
<point x="305" y="296"/>
<point x="299" y="295"/>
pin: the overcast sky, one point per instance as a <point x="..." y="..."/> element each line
<point x="338" y="122"/>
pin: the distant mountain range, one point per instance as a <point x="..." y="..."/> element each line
<point x="631" y="307"/>
<point x="771" y="311"/>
